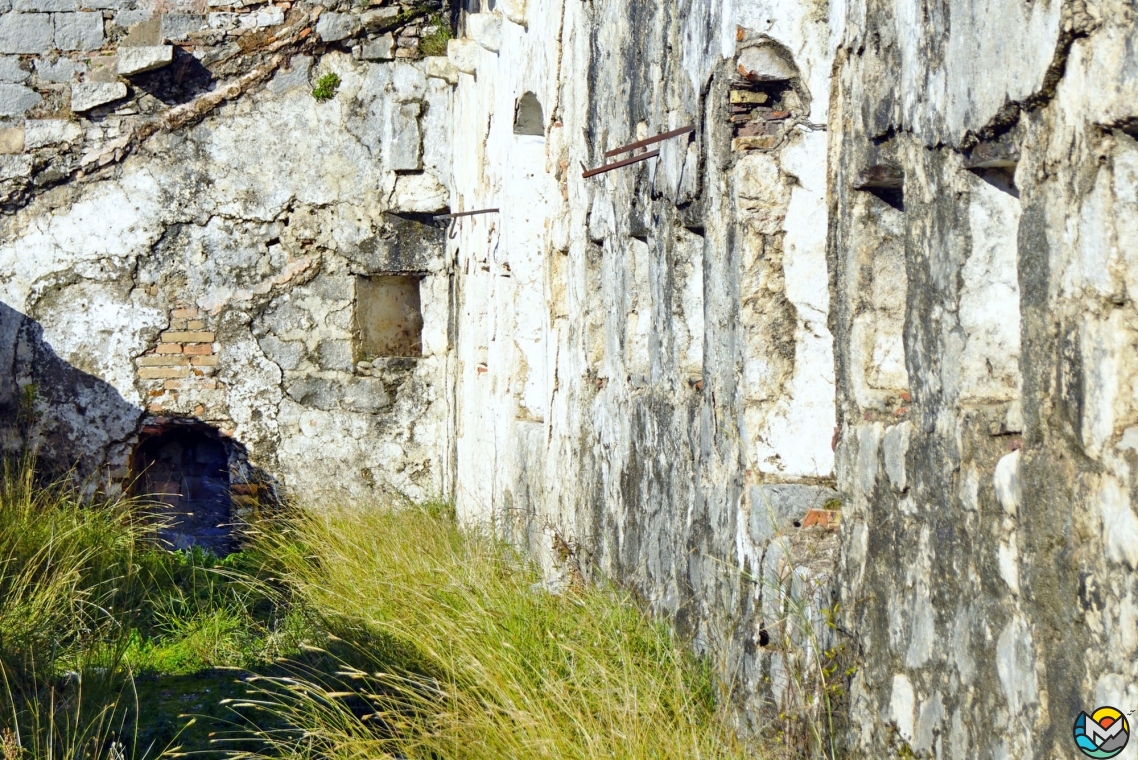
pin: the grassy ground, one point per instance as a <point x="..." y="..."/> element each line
<point x="340" y="632"/>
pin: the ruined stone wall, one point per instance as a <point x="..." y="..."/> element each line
<point x="844" y="376"/>
<point x="982" y="259"/>
<point x="212" y="275"/>
<point x="644" y="367"/>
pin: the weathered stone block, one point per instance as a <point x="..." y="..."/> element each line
<point x="15" y="99"/>
<point x="12" y="140"/>
<point x="440" y="67"/>
<point x="464" y="55"/>
<point x="59" y="70"/>
<point x="144" y="32"/>
<point x="136" y="60"/>
<point x="107" y="5"/>
<point x="405" y="148"/>
<point x="285" y="354"/>
<point x="127" y="19"/>
<point x="379" y="49"/>
<point x="11" y="71"/>
<point x="45" y="6"/>
<point x="776" y="507"/>
<point x="760" y="142"/>
<point x="335" y="354"/>
<point x="764" y="63"/>
<point x="419" y="194"/>
<point x="485" y="29"/>
<point x="271" y="16"/>
<point x="88" y="95"/>
<point x="41" y="132"/>
<point x="103" y="68"/>
<point x="179" y="26"/>
<point x="163" y="360"/>
<point x="894" y="446"/>
<point x="514" y="10"/>
<point x="26" y="33"/>
<point x="79" y="31"/>
<point x="222" y="20"/>
<point x="378" y="17"/>
<point x="15" y="167"/>
<point x="333" y="27"/>
<point x="171" y="336"/>
<point x="162" y="373"/>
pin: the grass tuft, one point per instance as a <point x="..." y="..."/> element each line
<point x="435" y="43"/>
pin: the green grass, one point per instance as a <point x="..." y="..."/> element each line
<point x="436" y="42"/>
<point x="447" y="646"/>
<point x="368" y="631"/>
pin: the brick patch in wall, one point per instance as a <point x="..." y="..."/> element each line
<point x="182" y="361"/>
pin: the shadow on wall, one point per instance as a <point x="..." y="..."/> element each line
<point x="75" y="421"/>
<point x="80" y="426"/>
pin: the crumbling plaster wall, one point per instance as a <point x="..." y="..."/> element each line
<point x="989" y="539"/>
<point x="211" y="275"/>
<point x="644" y="369"/>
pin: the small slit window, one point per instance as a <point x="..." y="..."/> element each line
<point x="389" y="317"/>
<point x="529" y="118"/>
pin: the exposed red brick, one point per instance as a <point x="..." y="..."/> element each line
<point x="201" y="349"/>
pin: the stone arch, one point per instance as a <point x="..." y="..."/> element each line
<point x="184" y="469"/>
<point x="766" y="94"/>
<point x="529" y="118"/>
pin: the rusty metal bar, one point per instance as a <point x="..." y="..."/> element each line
<point x="649" y="141"/>
<point x="618" y="164"/>
<point x="467" y="213"/>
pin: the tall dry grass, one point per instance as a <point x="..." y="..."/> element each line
<point x="66" y="572"/>
<point x="444" y="645"/>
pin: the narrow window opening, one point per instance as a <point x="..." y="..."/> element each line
<point x="884" y="181"/>
<point x="529" y="119"/>
<point x="994" y="161"/>
<point x="389" y="316"/>
<point x="185" y="471"/>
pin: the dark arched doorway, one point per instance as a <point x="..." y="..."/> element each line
<point x="185" y="470"/>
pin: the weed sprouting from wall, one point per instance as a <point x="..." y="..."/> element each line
<point x="435" y="42"/>
<point x="326" y="86"/>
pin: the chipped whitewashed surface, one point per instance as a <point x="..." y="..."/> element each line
<point x="239" y="239"/>
<point x="644" y="381"/>
<point x="990" y="539"/>
<point x="892" y="270"/>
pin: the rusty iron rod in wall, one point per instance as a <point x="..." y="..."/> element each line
<point x="648" y="141"/>
<point x="467" y="213"/>
<point x="618" y="164"/>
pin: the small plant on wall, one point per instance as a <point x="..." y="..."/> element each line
<point x="437" y="33"/>
<point x="326" y="86"/>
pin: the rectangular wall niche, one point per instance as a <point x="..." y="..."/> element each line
<point x="388" y="316"/>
